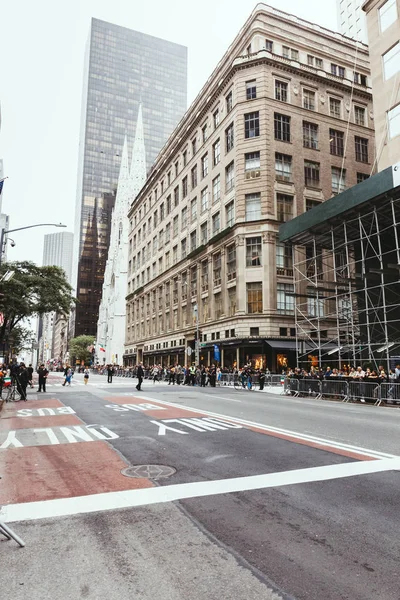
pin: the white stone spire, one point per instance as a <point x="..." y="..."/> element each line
<point x="138" y="165"/>
<point x="112" y="312"/>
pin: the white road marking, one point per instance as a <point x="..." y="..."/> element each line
<point x="223" y="398"/>
<point x="62" y="507"/>
<point x="294" y="434"/>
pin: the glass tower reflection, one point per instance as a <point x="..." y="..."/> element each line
<point x="122" y="69"/>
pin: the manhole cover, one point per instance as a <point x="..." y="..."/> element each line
<point x="149" y="471"/>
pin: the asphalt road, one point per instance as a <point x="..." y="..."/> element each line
<point x="270" y="496"/>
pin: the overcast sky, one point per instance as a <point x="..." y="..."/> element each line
<point x="41" y="50"/>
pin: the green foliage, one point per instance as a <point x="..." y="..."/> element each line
<point x="78" y="348"/>
<point x="21" y="338"/>
<point x="32" y="291"/>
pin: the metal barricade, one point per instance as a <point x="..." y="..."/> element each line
<point x="291" y="387"/>
<point x="390" y="393"/>
<point x="365" y="391"/>
<point x="275" y="380"/>
<point x="337" y="389"/>
<point x="227" y="378"/>
<point x="310" y="387"/>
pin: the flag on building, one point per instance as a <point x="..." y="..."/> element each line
<point x="101" y="348"/>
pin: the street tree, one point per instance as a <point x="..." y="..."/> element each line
<point x="80" y="348"/>
<point x="32" y="291"/>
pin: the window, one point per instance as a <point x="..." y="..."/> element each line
<point x="254" y="331"/>
<point x="155" y="245"/>
<point x="310" y="135"/>
<point x="204" y="133"/>
<point x="216" y="189"/>
<point x="230" y="177"/>
<point x="269" y="45"/>
<point x="229" y="138"/>
<point x="229" y="102"/>
<point x="337" y="70"/>
<point x="254" y="298"/>
<point x="361" y="146"/>
<point x="251" y="125"/>
<point x="204" y="233"/>
<point x="175" y="227"/>
<point x="308" y="99"/>
<point x="216" y="118"/>
<point x="184" y="187"/>
<point x="310" y="60"/>
<point x="231" y="262"/>
<point x="194" y="176"/>
<point x="319" y="63"/>
<point x="387" y="14"/>
<point x="161" y="238"/>
<point x="204" y="275"/>
<point x="176" y="169"/>
<point x="162" y="187"/>
<point x="284" y="205"/>
<point x="290" y="53"/>
<point x="336" y="141"/>
<point x="169" y="178"/>
<point x="359" y="115"/>
<point x="281" y="91"/>
<point x="184" y="217"/>
<point x="314" y="61"/>
<point x="176" y="196"/>
<point x="310" y="204"/>
<point x="193" y="281"/>
<point x="230" y="214"/>
<point x="362" y="177"/>
<point x="167" y="233"/>
<point x="217" y="269"/>
<point x="216" y="223"/>
<point x="284" y="260"/>
<point x="335" y="108"/>
<point x="285" y="298"/>
<point x="204" y="199"/>
<point x="193" y="210"/>
<point x="338" y="180"/>
<point x="394" y="121"/>
<point x="168" y="206"/>
<point x="252" y="161"/>
<point x="283" y="167"/>
<point x="155" y="219"/>
<point x="184" y="158"/>
<point x="216" y="152"/>
<point x="315" y="303"/>
<point x="282" y="127"/>
<point x="283" y="331"/>
<point x="175" y="255"/>
<point x="251" y="90"/>
<point x="217" y="309"/>
<point x="311" y="173"/>
<point x="253" y="252"/>
<point x="162" y="213"/>
<point x="204" y="166"/>
<point x="253" y="207"/>
<point x="183" y="249"/>
<point x="194" y="146"/>
<point x="391" y="61"/>
<point x="193" y="240"/>
<point x="167" y="260"/>
<point x="360" y="79"/>
<point x="231" y="308"/>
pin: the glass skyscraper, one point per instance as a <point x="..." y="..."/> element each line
<point x="123" y="68"/>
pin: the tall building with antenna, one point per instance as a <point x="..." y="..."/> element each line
<point x="122" y="69"/>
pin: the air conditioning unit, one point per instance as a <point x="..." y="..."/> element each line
<point x="253" y="174"/>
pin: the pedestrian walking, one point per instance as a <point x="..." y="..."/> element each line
<point x="65" y="373"/>
<point x="86" y="376"/>
<point x="30" y="373"/>
<point x="68" y="377"/>
<point x="42" y="372"/>
<point x="140" y="375"/>
<point x="110" y="373"/>
<point x="22" y="380"/>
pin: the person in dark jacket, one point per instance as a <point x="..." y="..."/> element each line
<point x="22" y="380"/>
<point x="110" y="373"/>
<point x="140" y="375"/>
<point x="42" y="372"/>
<point x="30" y="373"/>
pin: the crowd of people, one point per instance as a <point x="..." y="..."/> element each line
<point x="347" y="373"/>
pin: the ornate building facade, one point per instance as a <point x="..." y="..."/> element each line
<point x="282" y="124"/>
<point x="112" y="312"/>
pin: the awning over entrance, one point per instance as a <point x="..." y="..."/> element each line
<point x="282" y="344"/>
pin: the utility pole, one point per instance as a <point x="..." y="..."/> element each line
<point x="197" y="348"/>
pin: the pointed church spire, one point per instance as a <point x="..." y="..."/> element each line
<point x="138" y="165"/>
<point x="124" y="168"/>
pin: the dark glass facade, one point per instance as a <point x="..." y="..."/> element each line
<point x="123" y="68"/>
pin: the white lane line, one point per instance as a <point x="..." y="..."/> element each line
<point x="116" y="500"/>
<point x="286" y="432"/>
<point x="222" y="398"/>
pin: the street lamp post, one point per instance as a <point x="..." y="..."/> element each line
<point x="196" y="312"/>
<point x="5" y="232"/>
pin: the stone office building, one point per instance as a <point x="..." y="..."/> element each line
<point x="282" y="124"/>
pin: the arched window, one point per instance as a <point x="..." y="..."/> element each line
<point x="120" y="234"/>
